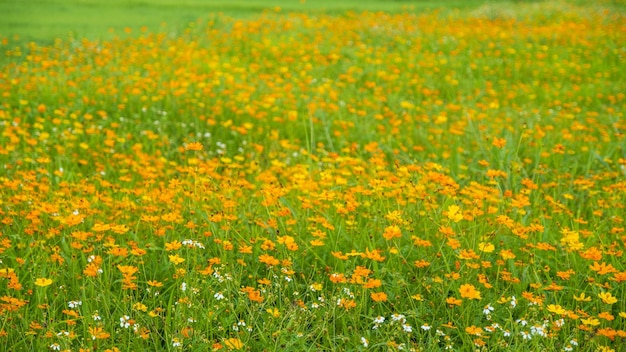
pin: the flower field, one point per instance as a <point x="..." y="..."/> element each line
<point x="364" y="181"/>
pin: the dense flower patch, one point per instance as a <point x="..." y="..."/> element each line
<point x="364" y="181"/>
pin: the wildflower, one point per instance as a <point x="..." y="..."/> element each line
<point x="556" y="309"/>
<point x="98" y="333"/>
<point x="218" y="296"/>
<point x="407" y="328"/>
<point x="379" y="320"/>
<point x="607" y="298"/>
<point x="43" y="282"/>
<point x="426" y="327"/>
<point x="392" y="232"/>
<point x="125" y="321"/>
<point x="488" y="309"/>
<point x="194" y="146"/>
<point x="364" y="342"/>
<point x="55" y="347"/>
<point x="175" y="259"/>
<point x="378" y="296"/>
<point x="454" y="213"/>
<point x="582" y="298"/>
<point x="74" y="304"/>
<point x="469" y="291"/>
<point x="526" y="335"/>
<point x="398" y="317"/>
<point x="453" y="301"/>
<point x="233" y="343"/>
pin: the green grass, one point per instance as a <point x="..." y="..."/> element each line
<point x="45" y="20"/>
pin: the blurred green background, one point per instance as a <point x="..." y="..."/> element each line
<point x="44" y="20"/>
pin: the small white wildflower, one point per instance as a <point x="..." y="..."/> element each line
<point x="183" y="286"/>
<point x="364" y="342"/>
<point x="124" y="322"/>
<point x="218" y="296"/>
<point x="398" y="317"/>
<point x="525" y="335"/>
<point x="379" y="319"/>
<point x="426" y="327"/>
<point x="573" y="342"/>
<point x="407" y="328"/>
<point x="55" y="347"/>
<point x="488" y="309"/>
<point x="74" y="304"/>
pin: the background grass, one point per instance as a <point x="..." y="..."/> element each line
<point x="45" y="20"/>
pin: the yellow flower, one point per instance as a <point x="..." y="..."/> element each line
<point x="582" y="298"/>
<point x="607" y="298"/>
<point x="43" y="282"/>
<point x="591" y="321"/>
<point x="556" y="309"/>
<point x="176" y="259"/>
<point x="274" y="312"/>
<point x="454" y="214"/>
<point x="486" y="247"/>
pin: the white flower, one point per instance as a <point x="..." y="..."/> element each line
<point x="55" y="347"/>
<point x="183" y="286"/>
<point x="574" y="342"/>
<point x="407" y="328"/>
<point x="74" y="304"/>
<point x="525" y="335"/>
<point x="379" y="320"/>
<point x="124" y="322"/>
<point x="488" y="309"/>
<point x="364" y="342"/>
<point x="426" y="327"/>
<point x="218" y="296"/>
<point x="398" y="317"/>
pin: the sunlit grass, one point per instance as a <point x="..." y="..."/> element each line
<point x="318" y="182"/>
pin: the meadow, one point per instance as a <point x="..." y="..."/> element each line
<point x="311" y="181"/>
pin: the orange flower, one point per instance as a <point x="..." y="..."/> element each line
<point x="98" y="333"/>
<point x="268" y="259"/>
<point x="378" y="296"/>
<point x="469" y="291"/>
<point x="473" y="330"/>
<point x="194" y="146"/>
<point x="392" y="232"/>
<point x="453" y="301"/>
